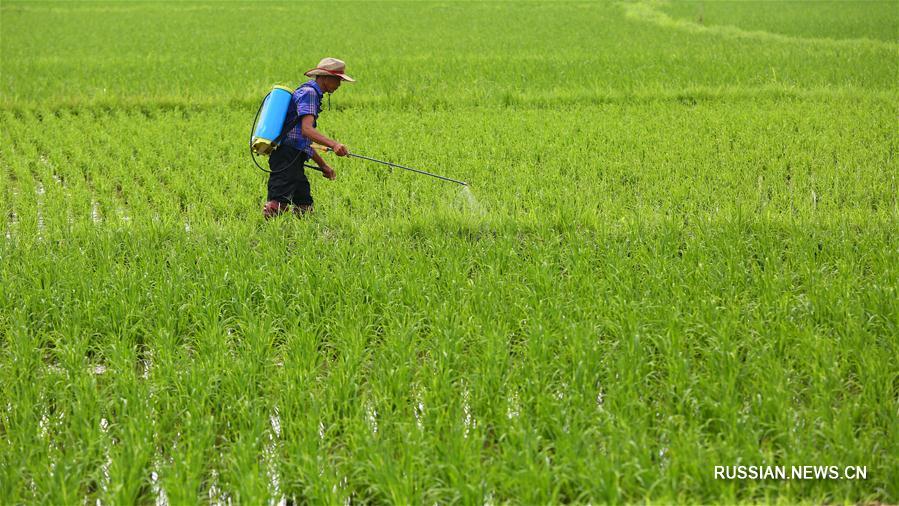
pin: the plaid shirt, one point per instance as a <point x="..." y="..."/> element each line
<point x="307" y="99"/>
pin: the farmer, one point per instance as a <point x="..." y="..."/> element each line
<point x="288" y="188"/>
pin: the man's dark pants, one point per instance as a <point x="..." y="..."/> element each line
<point x="287" y="184"/>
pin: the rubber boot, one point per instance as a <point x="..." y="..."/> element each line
<point x="273" y="208"/>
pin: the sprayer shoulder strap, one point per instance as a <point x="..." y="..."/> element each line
<point x="287" y="128"/>
<point x="291" y="125"/>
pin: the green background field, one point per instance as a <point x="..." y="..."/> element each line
<point x="680" y="250"/>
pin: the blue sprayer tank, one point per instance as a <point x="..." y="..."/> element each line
<point x="271" y="120"/>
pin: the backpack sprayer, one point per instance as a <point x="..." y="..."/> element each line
<point x="268" y="131"/>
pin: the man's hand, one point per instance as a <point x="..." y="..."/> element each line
<point x="328" y="172"/>
<point x="339" y="149"/>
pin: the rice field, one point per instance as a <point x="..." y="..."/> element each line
<point x="679" y="249"/>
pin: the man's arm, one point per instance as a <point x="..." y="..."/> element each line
<point x="327" y="171"/>
<point x="310" y="132"/>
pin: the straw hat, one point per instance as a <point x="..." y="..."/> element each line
<point x="330" y="67"/>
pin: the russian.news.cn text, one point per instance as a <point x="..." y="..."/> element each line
<point x="791" y="472"/>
